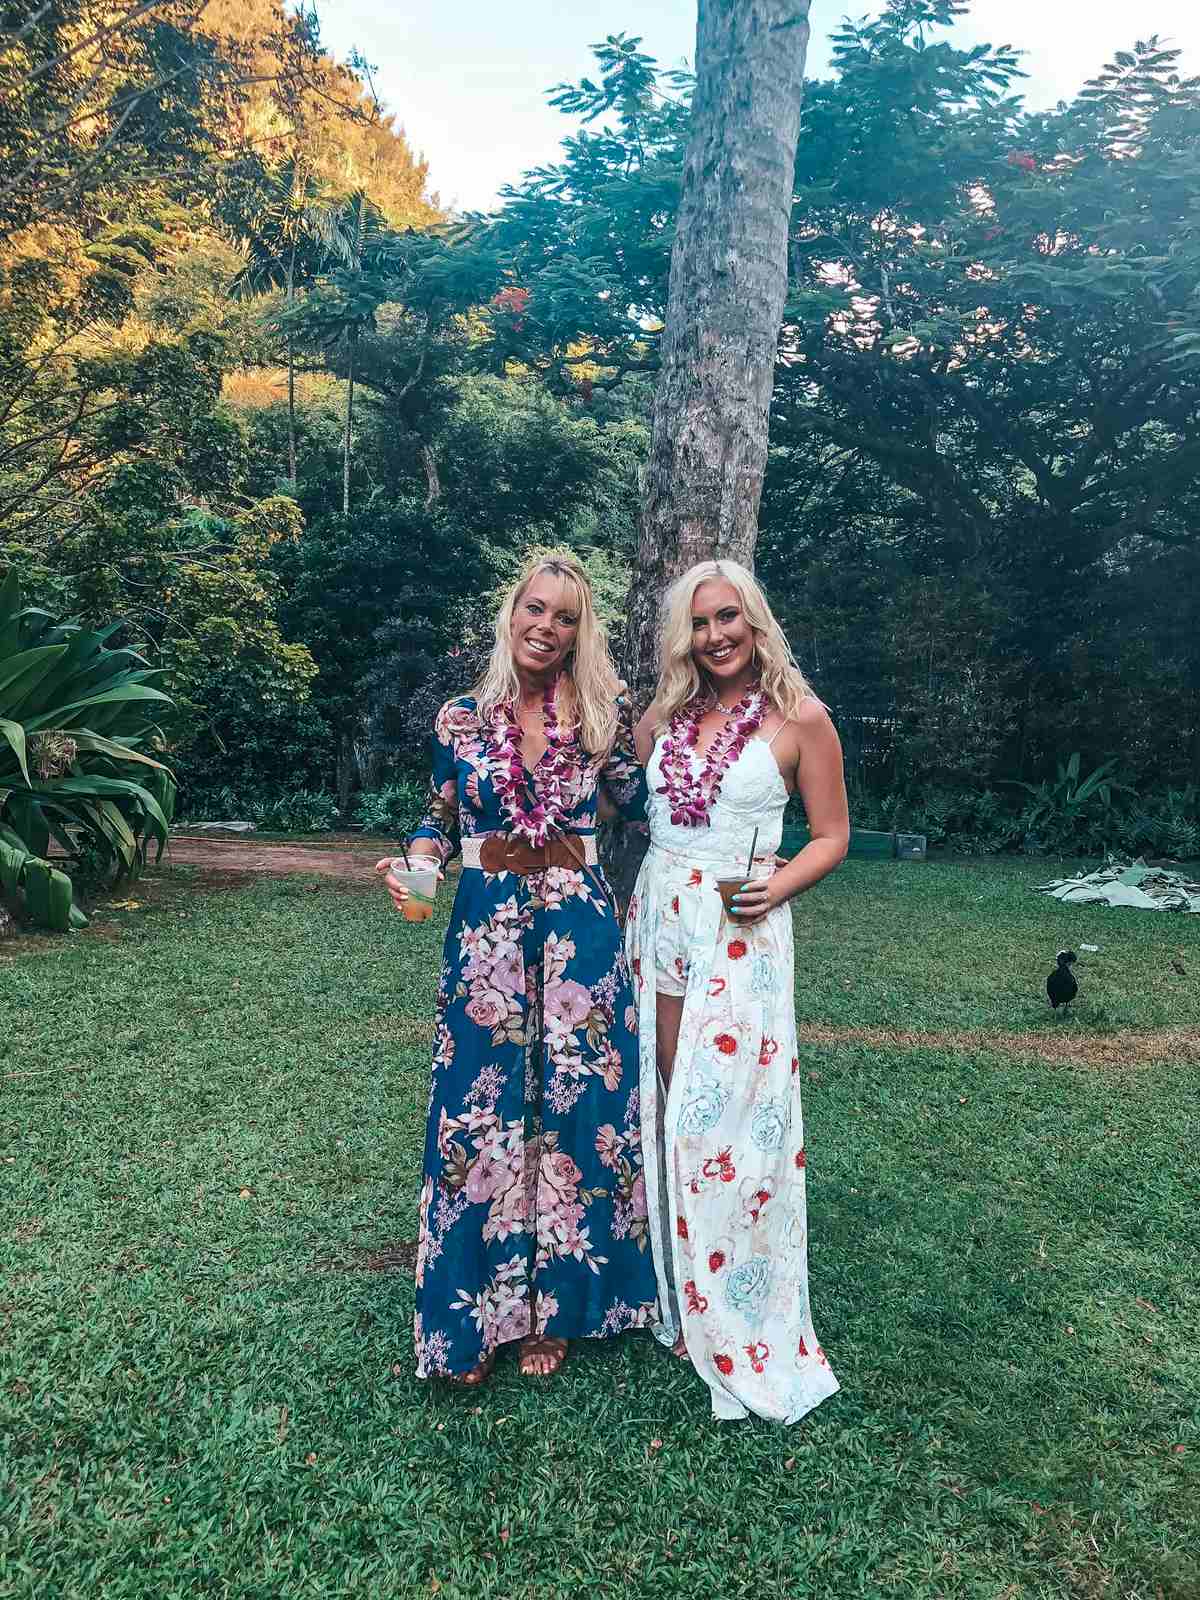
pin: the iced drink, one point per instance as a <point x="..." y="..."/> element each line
<point x="421" y="883"/>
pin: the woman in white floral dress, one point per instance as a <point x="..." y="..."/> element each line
<point x="734" y="730"/>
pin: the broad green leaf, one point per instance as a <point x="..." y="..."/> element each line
<point x="111" y="747"/>
<point x="20" y="674"/>
<point x="130" y="692"/>
<point x="15" y="735"/>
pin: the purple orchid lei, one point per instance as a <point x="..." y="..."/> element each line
<point x="534" y="815"/>
<point x="691" y="798"/>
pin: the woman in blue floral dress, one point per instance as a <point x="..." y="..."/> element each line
<point x="533" y="1206"/>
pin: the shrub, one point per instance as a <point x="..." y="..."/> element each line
<point x="75" y="736"/>
<point x="274" y="811"/>
<point x="395" y="809"/>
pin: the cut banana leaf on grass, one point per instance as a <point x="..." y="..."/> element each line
<point x="1133" y="885"/>
<point x="76" y="761"/>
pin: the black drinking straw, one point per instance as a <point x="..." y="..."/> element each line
<point x="753" y="847"/>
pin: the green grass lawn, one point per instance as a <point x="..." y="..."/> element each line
<point x="210" y="1123"/>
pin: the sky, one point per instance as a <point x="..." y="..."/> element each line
<point x="467" y="79"/>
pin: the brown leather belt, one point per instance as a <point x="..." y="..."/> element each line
<point x="503" y="852"/>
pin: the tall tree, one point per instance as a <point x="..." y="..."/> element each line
<point x="725" y="304"/>
<point x="289" y="241"/>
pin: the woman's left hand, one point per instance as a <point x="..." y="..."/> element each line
<point x="754" y="900"/>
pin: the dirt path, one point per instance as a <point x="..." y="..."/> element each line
<point x="347" y="859"/>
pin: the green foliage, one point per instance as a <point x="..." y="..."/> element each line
<point x="1060" y="808"/>
<point x="1066" y="817"/>
<point x="394" y="810"/>
<point x="74" y="758"/>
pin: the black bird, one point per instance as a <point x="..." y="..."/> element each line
<point x="1061" y="985"/>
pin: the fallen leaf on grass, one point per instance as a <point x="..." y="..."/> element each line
<point x="281" y="1430"/>
<point x="125" y="905"/>
<point x="310" y="1459"/>
<point x="789" y="1463"/>
<point x="245" y="1194"/>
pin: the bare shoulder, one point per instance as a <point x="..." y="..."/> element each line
<point x="813" y="718"/>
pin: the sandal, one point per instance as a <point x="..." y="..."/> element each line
<point x="540" y="1349"/>
<point x="477" y="1375"/>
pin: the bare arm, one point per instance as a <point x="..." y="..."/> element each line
<point x="643" y="739"/>
<point x="821" y="785"/>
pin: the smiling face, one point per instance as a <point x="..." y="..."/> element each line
<point x="545" y="625"/>
<point x="722" y="639"/>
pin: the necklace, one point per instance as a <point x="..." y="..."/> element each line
<point x="533" y="816"/>
<point x="691" y="799"/>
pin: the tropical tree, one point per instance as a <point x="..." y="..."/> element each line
<point x="290" y="239"/>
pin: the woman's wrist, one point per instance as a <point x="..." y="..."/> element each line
<point x="430" y="853"/>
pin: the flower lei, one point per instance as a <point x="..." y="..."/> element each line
<point x="691" y="798"/>
<point x="534" y="816"/>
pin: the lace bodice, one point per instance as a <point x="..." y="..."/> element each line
<point x="753" y="795"/>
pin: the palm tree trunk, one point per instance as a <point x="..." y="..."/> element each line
<point x="725" y="304"/>
<point x="349" y="423"/>
<point x="291" y="366"/>
<point x="360" y="234"/>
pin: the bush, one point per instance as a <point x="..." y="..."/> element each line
<point x="76" y="730"/>
<point x="1067" y="817"/>
<point x="281" y="811"/>
<point x="395" y="809"/>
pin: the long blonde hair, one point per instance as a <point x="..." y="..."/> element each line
<point x="589" y="685"/>
<point x="680" y="679"/>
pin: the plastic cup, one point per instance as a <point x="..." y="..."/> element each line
<point x="421" y="883"/>
<point x="728" y="888"/>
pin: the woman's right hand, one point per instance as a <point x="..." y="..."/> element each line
<point x="398" y="890"/>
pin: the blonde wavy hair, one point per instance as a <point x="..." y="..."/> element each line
<point x="681" y="680"/>
<point x="588" y="687"/>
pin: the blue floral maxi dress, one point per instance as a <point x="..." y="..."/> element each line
<point x="533" y="1204"/>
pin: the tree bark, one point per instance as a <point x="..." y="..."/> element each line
<point x="725" y="305"/>
<point x="728" y="284"/>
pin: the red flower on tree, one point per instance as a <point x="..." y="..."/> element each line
<point x="514" y="301"/>
<point x="1024" y="159"/>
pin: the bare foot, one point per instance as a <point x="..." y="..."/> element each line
<point x="680" y="1349"/>
<point x="477" y="1375"/>
<point x="541" y="1357"/>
